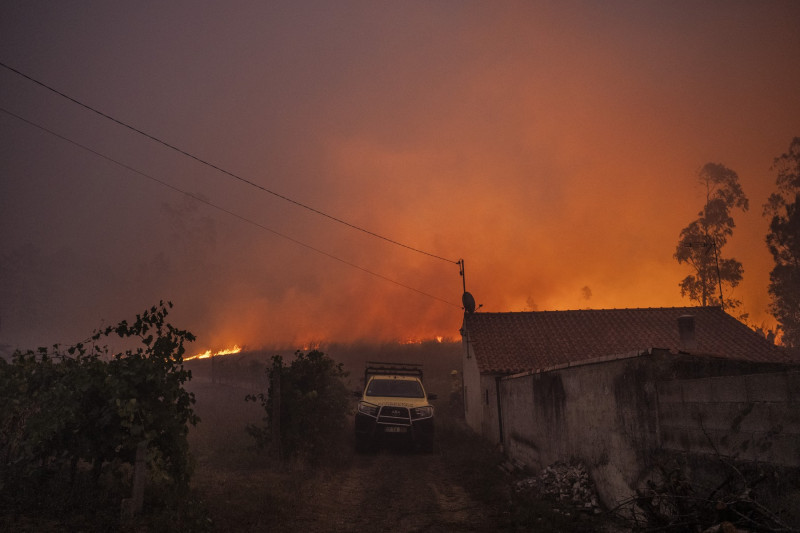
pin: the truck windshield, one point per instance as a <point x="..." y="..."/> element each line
<point x="397" y="388"/>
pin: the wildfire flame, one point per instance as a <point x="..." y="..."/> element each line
<point x="437" y="338"/>
<point x="207" y="353"/>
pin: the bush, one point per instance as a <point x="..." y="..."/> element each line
<point x="314" y="404"/>
<point x="71" y="419"/>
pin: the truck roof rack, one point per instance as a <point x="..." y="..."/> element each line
<point x="375" y="368"/>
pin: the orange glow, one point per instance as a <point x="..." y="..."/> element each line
<point x="552" y="146"/>
<point x="205" y="355"/>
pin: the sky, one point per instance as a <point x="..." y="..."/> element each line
<point x="553" y="146"/>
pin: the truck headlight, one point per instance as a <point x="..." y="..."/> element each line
<point x="422" y="412"/>
<point x="368" y="409"/>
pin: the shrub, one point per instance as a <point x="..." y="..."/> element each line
<point x="314" y="403"/>
<point x="65" y="413"/>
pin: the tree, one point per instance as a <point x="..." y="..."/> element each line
<point x="783" y="241"/>
<point x="700" y="243"/>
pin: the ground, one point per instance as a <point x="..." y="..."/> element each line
<point x="390" y="491"/>
<point x="458" y="487"/>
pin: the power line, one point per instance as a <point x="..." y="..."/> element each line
<point x="227" y="211"/>
<point x="220" y="169"/>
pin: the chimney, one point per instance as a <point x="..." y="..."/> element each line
<point x="686" y="330"/>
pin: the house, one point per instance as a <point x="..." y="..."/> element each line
<point x="614" y="387"/>
<point x="502" y="344"/>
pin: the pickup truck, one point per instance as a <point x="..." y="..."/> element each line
<point x="394" y="406"/>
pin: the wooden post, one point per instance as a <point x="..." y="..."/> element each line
<point x="275" y="391"/>
<point x="139" y="476"/>
<point x="133" y="505"/>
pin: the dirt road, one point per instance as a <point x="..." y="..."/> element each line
<point x="393" y="490"/>
<point x="458" y="487"/>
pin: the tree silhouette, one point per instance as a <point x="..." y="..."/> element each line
<point x="700" y="243"/>
<point x="783" y="241"/>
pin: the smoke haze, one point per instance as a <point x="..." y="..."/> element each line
<point x="553" y="146"/>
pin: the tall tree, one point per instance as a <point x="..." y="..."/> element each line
<point x="783" y="241"/>
<point x="700" y="243"/>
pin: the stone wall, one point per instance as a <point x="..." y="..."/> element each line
<point x="595" y="412"/>
<point x="750" y="417"/>
<point x="615" y="414"/>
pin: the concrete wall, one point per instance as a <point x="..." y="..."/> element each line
<point x="751" y="417"/>
<point x="490" y="426"/>
<point x="593" y="412"/>
<point x="480" y="397"/>
<point x="617" y="413"/>
<point x="473" y="412"/>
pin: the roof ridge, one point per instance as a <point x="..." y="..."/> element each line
<point x="700" y="307"/>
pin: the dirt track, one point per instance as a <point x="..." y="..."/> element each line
<point x="456" y="488"/>
<point x="393" y="491"/>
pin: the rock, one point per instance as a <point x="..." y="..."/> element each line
<point x="565" y="482"/>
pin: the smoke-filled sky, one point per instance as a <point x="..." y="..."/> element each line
<point x="554" y="146"/>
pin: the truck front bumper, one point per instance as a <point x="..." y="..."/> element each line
<point x="372" y="430"/>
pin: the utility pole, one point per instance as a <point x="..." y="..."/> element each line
<point x="467" y="300"/>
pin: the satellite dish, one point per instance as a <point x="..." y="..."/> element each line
<point x="469" y="302"/>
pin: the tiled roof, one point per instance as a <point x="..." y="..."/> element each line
<point x="518" y="342"/>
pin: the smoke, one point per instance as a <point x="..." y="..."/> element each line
<point x="586" y="293"/>
<point x="549" y="146"/>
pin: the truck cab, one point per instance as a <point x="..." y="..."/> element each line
<point x="394" y="405"/>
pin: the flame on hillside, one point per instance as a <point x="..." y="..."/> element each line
<point x="414" y="340"/>
<point x="207" y="353"/>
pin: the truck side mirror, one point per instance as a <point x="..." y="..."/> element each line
<point x="432" y="396"/>
<point x="357" y="393"/>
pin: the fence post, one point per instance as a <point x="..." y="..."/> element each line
<point x="133" y="505"/>
<point x="275" y="390"/>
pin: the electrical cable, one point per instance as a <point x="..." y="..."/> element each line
<point x="227" y="211"/>
<point x="220" y="169"/>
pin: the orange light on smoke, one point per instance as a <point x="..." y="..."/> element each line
<point x="207" y="353"/>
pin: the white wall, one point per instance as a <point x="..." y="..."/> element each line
<point x="589" y="412"/>
<point x="473" y="411"/>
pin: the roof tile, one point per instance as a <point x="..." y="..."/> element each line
<point x="518" y="342"/>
